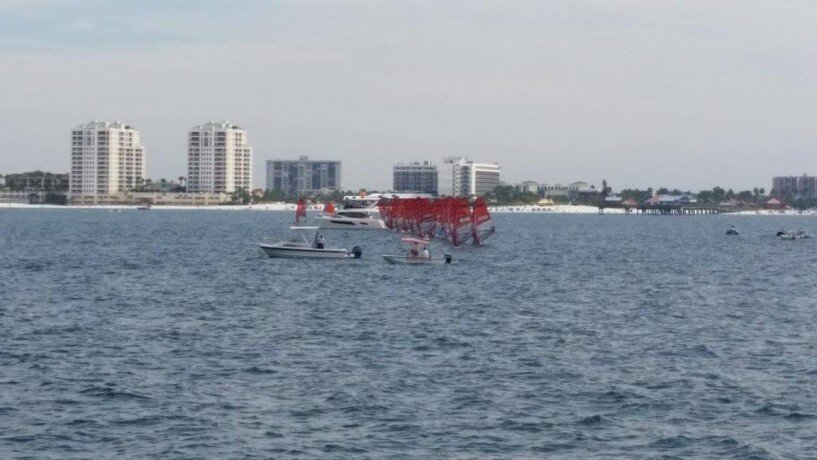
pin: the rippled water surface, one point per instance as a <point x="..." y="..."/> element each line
<point x="168" y="333"/>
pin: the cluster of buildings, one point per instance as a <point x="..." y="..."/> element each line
<point x="33" y="187"/>
<point x="804" y="186"/>
<point x="108" y="163"/>
<point x="108" y="166"/>
<point x="455" y="176"/>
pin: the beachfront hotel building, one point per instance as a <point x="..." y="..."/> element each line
<point x="415" y="177"/>
<point x="106" y="158"/>
<point x="219" y="158"/>
<point x="459" y="176"/>
<point x="804" y="186"/>
<point x="302" y="176"/>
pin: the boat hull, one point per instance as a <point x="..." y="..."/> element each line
<point x="405" y="260"/>
<point x="303" y="253"/>
<point x="349" y="223"/>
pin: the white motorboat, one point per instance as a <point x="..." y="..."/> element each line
<point x="358" y="213"/>
<point x="414" y="260"/>
<point x="416" y="257"/>
<point x="307" y="243"/>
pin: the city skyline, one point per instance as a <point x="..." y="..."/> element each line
<point x="638" y="93"/>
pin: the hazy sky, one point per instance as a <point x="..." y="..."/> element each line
<point x="644" y="93"/>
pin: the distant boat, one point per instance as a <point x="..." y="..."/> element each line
<point x="798" y="235"/>
<point x="144" y="207"/>
<point x="733" y="231"/>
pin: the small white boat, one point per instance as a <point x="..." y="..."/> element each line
<point x="413" y="260"/>
<point x="307" y="243"/>
<point x="414" y="256"/>
<point x="733" y="231"/>
<point x="798" y="235"/>
<point x="144" y="207"/>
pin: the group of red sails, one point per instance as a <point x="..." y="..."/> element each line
<point x="452" y="218"/>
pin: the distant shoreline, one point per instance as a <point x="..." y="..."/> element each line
<point x="159" y="207"/>
<point x="522" y="209"/>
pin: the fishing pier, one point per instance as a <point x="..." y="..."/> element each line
<point x="663" y="205"/>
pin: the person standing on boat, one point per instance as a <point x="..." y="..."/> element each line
<point x="321" y="242"/>
<point x="415" y="250"/>
<point x="426" y="254"/>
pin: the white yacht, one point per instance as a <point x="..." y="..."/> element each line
<point x="358" y="213"/>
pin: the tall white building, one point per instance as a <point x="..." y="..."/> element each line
<point x="106" y="158"/>
<point x="459" y="176"/>
<point x="219" y="158"/>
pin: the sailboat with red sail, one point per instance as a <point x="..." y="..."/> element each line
<point x="482" y="225"/>
<point x="329" y="208"/>
<point x="300" y="211"/>
<point x="460" y="217"/>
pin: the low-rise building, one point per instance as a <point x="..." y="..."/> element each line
<point x="37" y="181"/>
<point x="553" y="190"/>
<point x="154" y="198"/>
<point x="528" y="186"/>
<point x="571" y="191"/>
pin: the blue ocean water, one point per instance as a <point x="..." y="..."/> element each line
<point x="168" y="333"/>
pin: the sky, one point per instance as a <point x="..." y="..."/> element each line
<point x="687" y="94"/>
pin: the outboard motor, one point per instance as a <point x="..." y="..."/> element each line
<point x="357" y="253"/>
<point x="448" y="258"/>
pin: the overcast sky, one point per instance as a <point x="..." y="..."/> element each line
<point x="685" y="94"/>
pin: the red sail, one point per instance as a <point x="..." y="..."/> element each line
<point x="300" y="211"/>
<point x="395" y="214"/>
<point x="426" y="225"/>
<point x="385" y="207"/>
<point x="440" y="211"/>
<point x="329" y="208"/>
<point x="482" y="225"/>
<point x="460" y="217"/>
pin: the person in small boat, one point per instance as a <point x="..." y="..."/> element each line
<point x="425" y="254"/>
<point x="320" y="243"/>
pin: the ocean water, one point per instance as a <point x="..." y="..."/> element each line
<point x="169" y="334"/>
